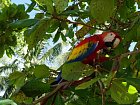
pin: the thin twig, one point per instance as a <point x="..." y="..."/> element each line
<point x="129" y="53"/>
<point x="102" y="91"/>
<point x="80" y="23"/>
<point x="125" y="54"/>
<point x="101" y="86"/>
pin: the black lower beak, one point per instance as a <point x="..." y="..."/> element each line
<point x="109" y="44"/>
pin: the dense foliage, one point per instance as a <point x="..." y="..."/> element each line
<point x="33" y="51"/>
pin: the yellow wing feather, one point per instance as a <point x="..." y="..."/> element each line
<point x="77" y="51"/>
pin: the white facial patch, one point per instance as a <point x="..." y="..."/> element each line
<point x="109" y="37"/>
<point x="116" y="42"/>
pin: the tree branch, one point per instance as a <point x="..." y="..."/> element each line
<point x="103" y="90"/>
<point x="129" y="53"/>
<point x="125" y="55"/>
<point x="51" y="93"/>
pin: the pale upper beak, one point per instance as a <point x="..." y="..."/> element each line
<point x="116" y="43"/>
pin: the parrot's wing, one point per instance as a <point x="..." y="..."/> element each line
<point x="81" y="52"/>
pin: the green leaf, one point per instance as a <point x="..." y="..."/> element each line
<point x="9" y="52"/>
<point x="59" y="100"/>
<point x="132" y="90"/>
<point x="72" y="71"/>
<point x="48" y="3"/>
<point x="21" y="14"/>
<point x="63" y="37"/>
<point x="41" y="71"/>
<point x="84" y="30"/>
<point x="102" y="10"/>
<point x="133" y="81"/>
<point x="123" y="11"/>
<point x="1" y="50"/>
<point x="17" y="78"/>
<point x="54" y="24"/>
<point x="35" y="88"/>
<point x="138" y="2"/>
<point x="23" y="23"/>
<point x="56" y="37"/>
<point x="138" y="64"/>
<point x="119" y="92"/>
<point x="7" y="102"/>
<point x="70" y="33"/>
<point x="60" y="5"/>
<point x="138" y="32"/>
<point x="124" y="63"/>
<point x="20" y="97"/>
<point x="39" y="15"/>
<point x="31" y="6"/>
<point x="36" y="34"/>
<point x="87" y="84"/>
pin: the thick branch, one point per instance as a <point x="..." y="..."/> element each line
<point x="59" y="86"/>
<point x="51" y="93"/>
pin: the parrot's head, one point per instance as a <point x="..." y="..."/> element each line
<point x="111" y="39"/>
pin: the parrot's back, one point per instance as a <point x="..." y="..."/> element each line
<point x="86" y="48"/>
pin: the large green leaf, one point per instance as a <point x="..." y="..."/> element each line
<point x="59" y="100"/>
<point x="36" y="34"/>
<point x="23" y="23"/>
<point x="17" y="78"/>
<point x="87" y="84"/>
<point x="35" y="87"/>
<point x="41" y="71"/>
<point x="72" y="71"/>
<point x="49" y="5"/>
<point x="102" y="10"/>
<point x="60" y="5"/>
<point x="119" y="92"/>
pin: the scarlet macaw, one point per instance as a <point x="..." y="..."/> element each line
<point x="87" y="50"/>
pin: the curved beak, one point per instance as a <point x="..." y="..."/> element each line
<point x="116" y="43"/>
